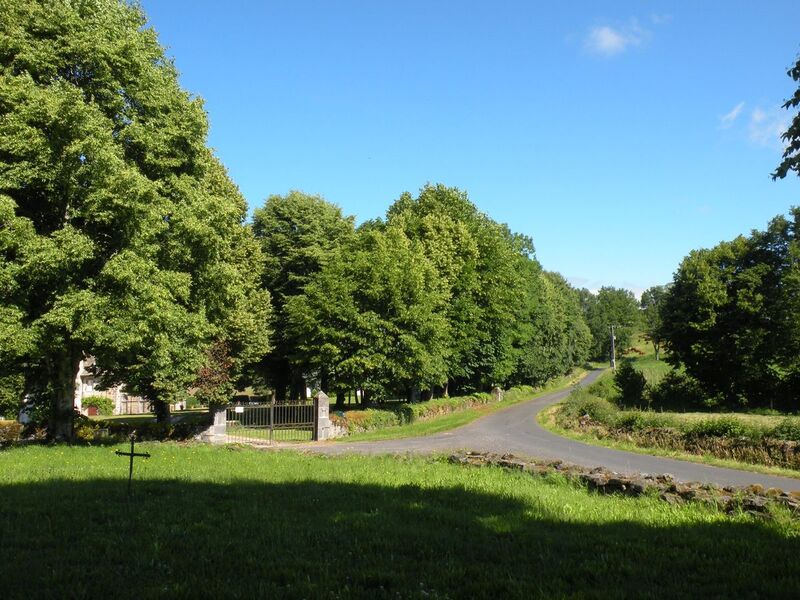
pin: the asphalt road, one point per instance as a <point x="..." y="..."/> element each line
<point x="515" y="430"/>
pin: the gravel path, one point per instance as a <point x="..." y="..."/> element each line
<point x="515" y="430"/>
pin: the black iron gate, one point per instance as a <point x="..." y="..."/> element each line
<point x="271" y="422"/>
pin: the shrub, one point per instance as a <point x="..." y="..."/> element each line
<point x="730" y="427"/>
<point x="788" y="429"/>
<point x="604" y="388"/>
<point x="636" y="420"/>
<point x="10" y="432"/>
<point x="103" y="404"/>
<point x="679" y="391"/>
<point x="631" y="384"/>
<point x="581" y="403"/>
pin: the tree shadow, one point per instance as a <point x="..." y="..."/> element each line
<point x="312" y="539"/>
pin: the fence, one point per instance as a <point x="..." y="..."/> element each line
<point x="272" y="422"/>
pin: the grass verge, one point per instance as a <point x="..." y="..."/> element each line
<point x="235" y="522"/>
<point x="547" y="420"/>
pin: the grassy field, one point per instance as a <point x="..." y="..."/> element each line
<point x="463" y="417"/>
<point x="240" y="523"/>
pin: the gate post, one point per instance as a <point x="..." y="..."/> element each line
<point x="322" y="422"/>
<point x="216" y="433"/>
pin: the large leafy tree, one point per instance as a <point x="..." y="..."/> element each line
<point x="121" y="234"/>
<point x="373" y="318"/>
<point x="298" y="234"/>
<point x="732" y="316"/>
<point x="791" y="137"/>
<point x="476" y="260"/>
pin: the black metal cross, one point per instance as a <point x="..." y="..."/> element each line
<point x="132" y="454"/>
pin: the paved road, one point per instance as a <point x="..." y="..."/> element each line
<point x="515" y="430"/>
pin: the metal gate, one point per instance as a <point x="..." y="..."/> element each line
<point x="273" y="422"/>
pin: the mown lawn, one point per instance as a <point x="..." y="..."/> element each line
<point x="236" y="522"/>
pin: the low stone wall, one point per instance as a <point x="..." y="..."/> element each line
<point x="753" y="498"/>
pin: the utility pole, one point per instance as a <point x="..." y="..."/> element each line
<point x="613" y="350"/>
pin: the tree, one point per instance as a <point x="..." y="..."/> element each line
<point x="791" y="137"/>
<point x="610" y="306"/>
<point x="298" y="233"/>
<point x="651" y="302"/>
<point x="373" y="317"/>
<point x="121" y="234"/>
<point x="732" y="316"/>
<point x="476" y="261"/>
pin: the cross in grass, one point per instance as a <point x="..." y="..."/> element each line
<point x="132" y="454"/>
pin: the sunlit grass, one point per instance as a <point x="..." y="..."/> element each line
<point x="236" y="522"/>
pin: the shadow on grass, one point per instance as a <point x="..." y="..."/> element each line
<point x="312" y="539"/>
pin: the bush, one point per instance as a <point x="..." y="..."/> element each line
<point x="104" y="405"/>
<point x="678" y="391"/>
<point x="604" y="388"/>
<point x="729" y="427"/>
<point x="631" y="384"/>
<point x="581" y="403"/>
<point x="10" y="432"/>
<point x="788" y="429"/>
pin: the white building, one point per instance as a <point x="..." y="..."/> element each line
<point x="86" y="385"/>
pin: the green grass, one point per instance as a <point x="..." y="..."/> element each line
<point x="190" y="414"/>
<point x="463" y="417"/>
<point x="546" y="419"/>
<point x="240" y="523"/>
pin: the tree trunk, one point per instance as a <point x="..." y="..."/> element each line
<point x="324" y="380"/>
<point x="161" y="410"/>
<point x="445" y="393"/>
<point x="339" y="399"/>
<point x="62" y="410"/>
<point x="298" y="386"/>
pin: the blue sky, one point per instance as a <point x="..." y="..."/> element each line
<point x="618" y="135"/>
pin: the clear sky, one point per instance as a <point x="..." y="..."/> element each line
<point x="618" y="135"/>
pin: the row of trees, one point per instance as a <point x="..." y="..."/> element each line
<point x="122" y="237"/>
<point x="436" y="297"/>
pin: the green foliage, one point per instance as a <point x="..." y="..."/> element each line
<point x="732" y="317"/>
<point x="791" y="137"/>
<point x="788" y="429"/>
<point x="12" y="390"/>
<point x="374" y="317"/>
<point x="121" y="234"/>
<point x="581" y="403"/>
<point x="298" y="234"/>
<point x="610" y="306"/>
<point x="679" y="391"/>
<point x="631" y="384"/>
<point x="651" y="302"/>
<point x="103" y="404"/>
<point x="725" y="426"/>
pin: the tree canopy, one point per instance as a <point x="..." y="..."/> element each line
<point x="791" y="137"/>
<point x="121" y="234"/>
<point x="610" y="306"/>
<point x="298" y="234"/>
<point x="732" y="316"/>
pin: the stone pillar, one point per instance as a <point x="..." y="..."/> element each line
<point x="322" y="421"/>
<point x="216" y="433"/>
<point x="497" y="394"/>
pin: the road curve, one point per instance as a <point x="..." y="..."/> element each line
<point x="515" y="430"/>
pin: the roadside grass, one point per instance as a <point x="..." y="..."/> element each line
<point x="547" y="419"/>
<point x="236" y="522"/>
<point x="459" y="418"/>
